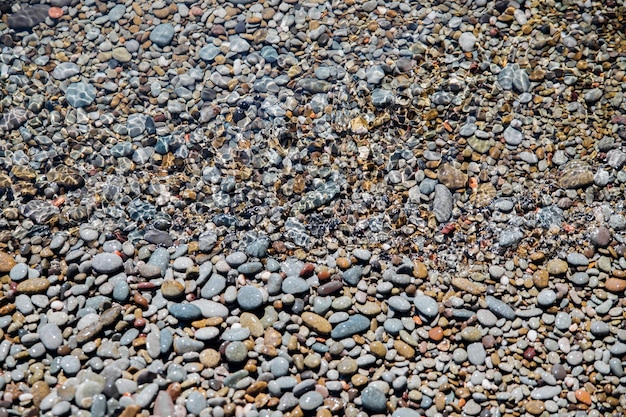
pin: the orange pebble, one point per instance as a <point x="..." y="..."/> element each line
<point x="436" y="333"/>
<point x="583" y="396"/>
<point x="473" y="183"/>
<point x="55" y="12"/>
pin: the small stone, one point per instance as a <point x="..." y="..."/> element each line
<point x="295" y="285"/>
<point x="500" y="308"/>
<point x="426" y="306"/>
<point x="615" y="285"/>
<point x="236" y="352"/>
<point x="249" y="298"/>
<point x="600" y="236"/>
<point x="185" y="312"/>
<point x="476" y="353"/>
<point x="575" y="174"/>
<point x="557" y="267"/>
<point x="65" y="70"/>
<point x="452" y="178"/>
<point x="546" y="298"/>
<point x="33" y="286"/>
<point x="106" y="263"/>
<point x="374" y="399"/>
<point x="162" y="34"/>
<point x="467" y="41"/>
<point x="443" y="203"/>
<point x="311" y="400"/>
<point x="512" y="136"/>
<point x="317" y="323"/>
<point x="545" y="393"/>
<point x="7" y="262"/>
<point x="172" y="289"/>
<point x="593" y="95"/>
<point x="404" y="349"/>
<point x="51" y="336"/>
<point x="80" y="94"/>
<point x="535" y="407"/>
<point x="354" y="325"/>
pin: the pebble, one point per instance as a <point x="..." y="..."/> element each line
<point x="106" y="263"/>
<point x="426" y="306"/>
<point x="249" y="298"/>
<point x="252" y="207"/>
<point x="353" y="325"/>
<point x="162" y="34"/>
<point x="374" y="399"/>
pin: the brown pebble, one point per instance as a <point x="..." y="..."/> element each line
<point x="256" y="388"/>
<point x="33" y="286"/>
<point x="7" y="262"/>
<point x="419" y="270"/>
<point x="378" y="349"/>
<point x="440" y="401"/>
<point x="535" y="407"/>
<point x="174" y="389"/>
<point x="541" y="278"/>
<point x="329" y="288"/>
<point x="615" y="285"/>
<point x="323" y="274"/>
<point x="316" y="322"/>
<point x="557" y="267"/>
<point x="210" y="358"/>
<point x="140" y="300"/>
<point x="172" y="289"/>
<point x="273" y="337"/>
<point x="404" y="349"/>
<point x="307" y="270"/>
<point x="324" y="412"/>
<point x="39" y="390"/>
<point x="436" y="334"/>
<point x="358" y="380"/>
<point x="343" y="262"/>
<point x="130" y="411"/>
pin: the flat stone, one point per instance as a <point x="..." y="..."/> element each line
<point x="374" y="399"/>
<point x="80" y="94"/>
<point x="453" y="178"/>
<point x="316" y="322"/>
<point x="185" y="312"/>
<point x="426" y="306"/>
<point x="33" y="286"/>
<point x="172" y="289"/>
<point x="162" y="34"/>
<point x="7" y="262"/>
<point x="106" y="263"/>
<point x="500" y="308"/>
<point x="354" y="325"/>
<point x="28" y="17"/>
<point x="545" y="393"/>
<point x="249" y="297"/>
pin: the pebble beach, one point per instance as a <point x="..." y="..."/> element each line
<point x="312" y="208"/>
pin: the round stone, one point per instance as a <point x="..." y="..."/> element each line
<point x="311" y="401"/>
<point x="374" y="399"/>
<point x="426" y="306"/>
<point x="236" y="352"/>
<point x="51" y="336"/>
<point x="106" y="263"/>
<point x="249" y="298"/>
<point x="546" y="297"/>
